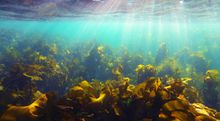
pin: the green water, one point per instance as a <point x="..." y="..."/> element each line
<point x="137" y="35"/>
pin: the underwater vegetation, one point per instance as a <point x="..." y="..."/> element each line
<point x="115" y="100"/>
<point x="210" y="91"/>
<point x="90" y="81"/>
<point x="162" y="54"/>
<point x="145" y="72"/>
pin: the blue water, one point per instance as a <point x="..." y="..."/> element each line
<point x="139" y="27"/>
<point x="137" y="35"/>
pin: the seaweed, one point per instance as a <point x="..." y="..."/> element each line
<point x="210" y="92"/>
<point x="94" y="82"/>
<point x="162" y="53"/>
<point x="199" y="62"/>
<point x="145" y="72"/>
<point x="169" y="68"/>
<point x="120" y="100"/>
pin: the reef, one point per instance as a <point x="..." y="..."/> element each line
<point x="43" y="80"/>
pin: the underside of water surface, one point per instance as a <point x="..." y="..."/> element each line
<point x="109" y="60"/>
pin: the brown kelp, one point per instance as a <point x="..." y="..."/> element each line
<point x="116" y="101"/>
<point x="94" y="82"/>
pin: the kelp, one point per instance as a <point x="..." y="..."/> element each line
<point x="96" y="82"/>
<point x="198" y="62"/>
<point x="210" y="91"/>
<point x="144" y="72"/>
<point x="169" y="68"/>
<point x="27" y="113"/>
<point x="162" y="54"/>
<point x="120" y="100"/>
<point x="113" y="102"/>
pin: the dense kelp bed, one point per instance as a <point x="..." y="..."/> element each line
<point x="41" y="79"/>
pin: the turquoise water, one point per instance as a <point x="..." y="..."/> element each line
<point x="76" y="40"/>
<point x="138" y="35"/>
